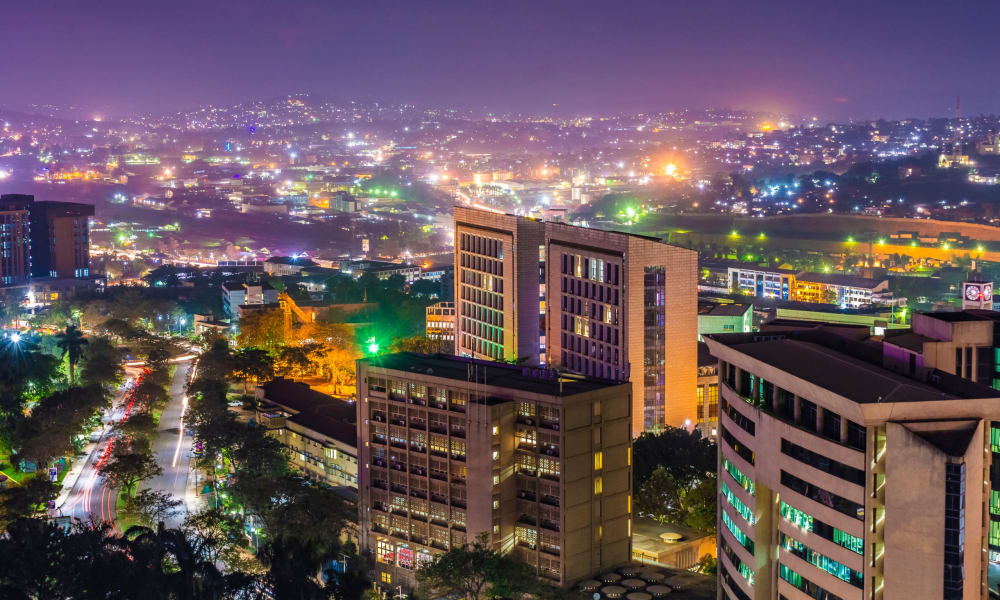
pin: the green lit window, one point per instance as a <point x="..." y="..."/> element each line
<point x="736" y="503"/>
<point x="820" y="561"/>
<point x="995" y="439"/>
<point x="995" y="533"/>
<point x="808" y="523"/>
<point x="796" y="517"/>
<point x="994" y="502"/>
<point x="744" y="481"/>
<point x="741" y="537"/>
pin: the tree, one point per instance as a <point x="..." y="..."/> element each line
<point x="421" y="345"/>
<point x="153" y="506"/>
<point x="127" y="466"/>
<point x="660" y="497"/>
<point x="685" y="455"/>
<point x="72" y="343"/>
<point x="27" y="498"/>
<point x="102" y="363"/>
<point x="149" y="395"/>
<point x="474" y="570"/>
<point x="263" y="329"/>
<point x="253" y="365"/>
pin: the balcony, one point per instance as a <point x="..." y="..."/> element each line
<point x="459" y="457"/>
<point x="398" y="421"/>
<point x="549" y="524"/>
<point x="522" y="470"/>
<point x="460" y="503"/>
<point x="550" y="500"/>
<point x="380" y="528"/>
<point x="440" y="545"/>
<point x="439" y="521"/>
<point x="398" y="444"/>
<point x="437" y="404"/>
<point x="418" y="401"/>
<point x="380" y="507"/>
<point x="380" y="484"/>
<point x="527" y="495"/>
<point x="419" y="471"/>
<point x="439" y="498"/>
<point x="418" y="424"/>
<point x="550" y="476"/>
<point x="458" y="479"/>
<point x="549" y="549"/>
<point x="399" y="489"/>
<point x="460" y="408"/>
<point x="422" y="494"/>
<point x="398" y="510"/>
<point x="439" y="476"/>
<point x="397" y="397"/>
<point x="378" y="462"/>
<point x="458" y="432"/>
<point x="527" y="520"/>
<point x="439" y="453"/>
<point x="378" y="417"/>
<point x="550" y="450"/>
<point x="552" y="424"/>
<point x="527" y="447"/>
<point x="527" y="420"/>
<point x="398" y="466"/>
<point x="438" y="428"/>
<point x="418" y="448"/>
<point x="379" y="438"/>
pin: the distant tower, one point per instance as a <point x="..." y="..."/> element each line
<point x="977" y="293"/>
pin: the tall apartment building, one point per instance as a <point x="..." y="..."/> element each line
<point x="451" y="448"/>
<point x="15" y="239"/>
<point x="841" y="479"/>
<point x="60" y="239"/>
<point x="601" y="303"/>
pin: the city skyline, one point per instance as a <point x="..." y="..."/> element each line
<point x="804" y="58"/>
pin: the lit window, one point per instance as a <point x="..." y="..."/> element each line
<point x="496" y="454"/>
<point x="598" y="460"/>
<point x="496" y="430"/>
<point x="386" y="577"/>
<point x="598" y="485"/>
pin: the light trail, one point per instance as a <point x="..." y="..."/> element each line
<point x="180" y="432"/>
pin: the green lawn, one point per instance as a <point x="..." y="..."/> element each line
<point x="9" y="470"/>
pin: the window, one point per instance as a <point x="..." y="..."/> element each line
<point x="817" y="494"/>
<point x="744" y="481"/>
<point x="807" y="587"/>
<point x="598" y="460"/>
<point x="386" y="577"/>
<point x="744" y="452"/>
<point x="598" y="486"/>
<point x="743" y="510"/>
<point x="818" y="461"/>
<point x="741" y="537"/>
<point x="820" y="561"/>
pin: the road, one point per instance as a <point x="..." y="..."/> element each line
<point x="91" y="499"/>
<point x="172" y="447"/>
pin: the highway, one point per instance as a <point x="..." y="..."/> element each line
<point x="91" y="499"/>
<point x="172" y="447"/>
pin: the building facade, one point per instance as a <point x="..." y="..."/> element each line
<point x="451" y="448"/>
<point x="841" y="479"/>
<point x="237" y="294"/>
<point x="60" y="239"/>
<point x="846" y="291"/>
<point x="440" y="322"/>
<point x="764" y="282"/>
<point x="601" y="303"/>
<point x="15" y="239"/>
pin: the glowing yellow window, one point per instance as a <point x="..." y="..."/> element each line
<point x="386" y="577"/>
<point x="598" y="485"/>
<point x="598" y="460"/>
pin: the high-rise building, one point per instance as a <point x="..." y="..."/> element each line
<point x="604" y="304"/>
<point x="60" y="239"/>
<point x="842" y="479"/>
<point x="451" y="448"/>
<point x="15" y="239"/>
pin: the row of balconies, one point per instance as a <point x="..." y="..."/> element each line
<point x="534" y="522"/>
<point x="535" y="421"/>
<point x="533" y="497"/>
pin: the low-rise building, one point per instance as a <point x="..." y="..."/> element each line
<point x="847" y="291"/>
<point x="764" y="282"/>
<point x="246" y="294"/>
<point x="286" y="265"/>
<point x="319" y="431"/>
<point x="440" y="322"/>
<point x="715" y="317"/>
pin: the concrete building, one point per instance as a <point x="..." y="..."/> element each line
<point x="763" y="282"/>
<point x="60" y="239"/>
<point x="235" y="295"/>
<point x="379" y="268"/>
<point x="847" y="291"/>
<point x="286" y="265"/>
<point x="714" y="317"/>
<point x="601" y="303"/>
<point x="966" y="344"/>
<point x="440" y="322"/>
<point x="451" y="448"/>
<point x="319" y="431"/>
<point x="842" y="479"/>
<point x="15" y="239"/>
<point x="708" y="392"/>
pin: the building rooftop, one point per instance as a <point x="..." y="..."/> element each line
<point x="461" y="369"/>
<point x="963" y="315"/>
<point x="846" y="367"/>
<point x="712" y="309"/>
<point x="909" y="340"/>
<point x="314" y="410"/>
<point x="841" y="280"/>
<point x="290" y="260"/>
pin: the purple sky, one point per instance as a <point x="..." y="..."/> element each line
<point x="834" y="59"/>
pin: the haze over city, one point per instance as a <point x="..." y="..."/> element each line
<point x="446" y="300"/>
<point x="833" y="60"/>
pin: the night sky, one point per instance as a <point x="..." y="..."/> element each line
<point x="835" y="59"/>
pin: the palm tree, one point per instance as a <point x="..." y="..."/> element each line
<point x="72" y="342"/>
